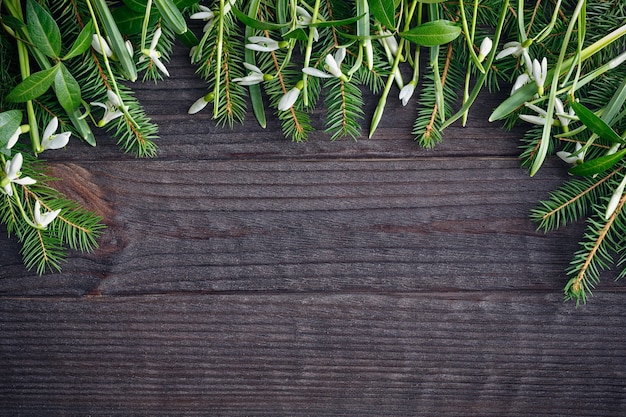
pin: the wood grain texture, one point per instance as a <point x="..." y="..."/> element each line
<point x="245" y="275"/>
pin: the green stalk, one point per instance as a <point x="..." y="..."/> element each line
<point x="255" y="90"/>
<point x="218" y="61"/>
<point x="547" y="128"/>
<point x="308" y="51"/>
<point x="469" y="38"/>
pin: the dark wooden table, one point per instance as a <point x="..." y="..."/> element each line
<point x="243" y="275"/>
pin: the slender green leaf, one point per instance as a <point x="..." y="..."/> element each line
<point x="44" y="31"/>
<point x="82" y="42"/>
<point x="597" y="165"/>
<point x="66" y="89"/>
<point x="118" y="46"/>
<point x="136" y="5"/>
<point x="33" y="86"/>
<point x="594" y="123"/>
<point x="514" y="102"/>
<point x="384" y="11"/>
<point x="256" y="24"/>
<point x="436" y="32"/>
<point x="9" y="122"/>
<point x="173" y="18"/>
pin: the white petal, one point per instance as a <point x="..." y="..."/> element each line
<point x="252" y="68"/>
<point x="198" y="105"/>
<point x="315" y="72"/>
<point x="331" y="66"/>
<point x="406" y="93"/>
<point x="25" y="181"/>
<point x="56" y="141"/>
<point x="261" y="48"/>
<point x="485" y="46"/>
<point x="53" y="124"/>
<point x="340" y="55"/>
<point x="567" y="157"/>
<point x="536" y="120"/>
<point x="521" y="80"/>
<point x="155" y="39"/>
<point x="13" y="139"/>
<point x="113" y="98"/>
<point x="8" y="190"/>
<point x="289" y="99"/>
<point x="13" y="166"/>
<point x="160" y="65"/>
<point x="207" y="15"/>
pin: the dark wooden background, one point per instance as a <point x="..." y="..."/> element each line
<point x="245" y="275"/>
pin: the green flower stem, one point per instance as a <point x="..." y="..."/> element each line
<point x="547" y="128"/>
<point x="218" y="61"/>
<point x="481" y="80"/>
<point x="107" y="64"/>
<point x="468" y="74"/>
<point x="378" y="113"/>
<point x="309" y="50"/>
<point x="22" y="51"/>
<point x="469" y="37"/>
<point x="548" y="29"/>
<point x="521" y="26"/>
<point x="144" y="25"/>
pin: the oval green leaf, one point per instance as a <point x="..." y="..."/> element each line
<point x="44" y="31"/>
<point x="384" y="11"/>
<point x="9" y="122"/>
<point x="66" y="89"/>
<point x="33" y="86"/>
<point x="597" y="165"/>
<point x="434" y="33"/>
<point x="594" y="123"/>
<point x="82" y="42"/>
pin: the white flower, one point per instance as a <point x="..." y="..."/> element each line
<point x="111" y="108"/>
<point x="540" y="73"/>
<point x="52" y="140"/>
<point x="263" y="44"/>
<point x="12" y="174"/>
<point x="206" y="15"/>
<point x="200" y="103"/>
<point x="100" y="45"/>
<point x="485" y="48"/>
<point x="289" y="99"/>
<point x="575" y="157"/>
<point x="153" y="54"/>
<point x="407" y="92"/>
<point x="511" y="48"/>
<point x="521" y="81"/>
<point x="332" y="65"/>
<point x="42" y="220"/>
<point x="304" y="19"/>
<point x="564" y="118"/>
<point x="255" y="76"/>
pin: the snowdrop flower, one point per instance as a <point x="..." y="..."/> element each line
<point x="264" y="44"/>
<point x="200" y="103"/>
<point x="111" y="108"/>
<point x="304" y="19"/>
<point x="332" y="65"/>
<point x="521" y="81"/>
<point x="407" y="92"/>
<point x="50" y="139"/>
<point x="512" y="48"/>
<point x="540" y="73"/>
<point x="255" y="76"/>
<point x="12" y="175"/>
<point x="575" y="157"/>
<point x="485" y="48"/>
<point x="615" y="199"/>
<point x="42" y="220"/>
<point x="289" y="99"/>
<point x="206" y="15"/>
<point x="100" y="45"/>
<point x="564" y="118"/>
<point x="153" y="54"/>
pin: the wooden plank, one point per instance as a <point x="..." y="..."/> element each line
<point x="307" y="225"/>
<point x="475" y="353"/>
